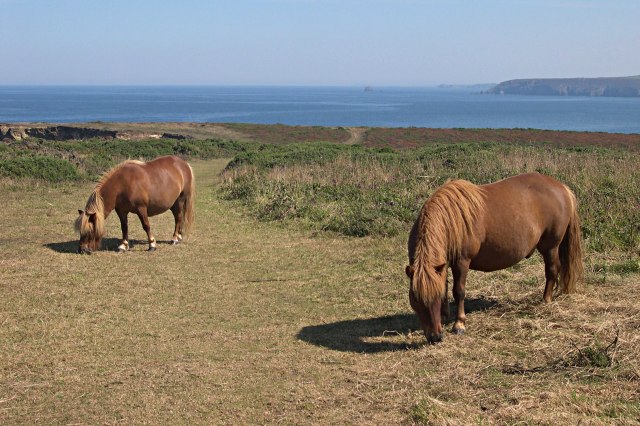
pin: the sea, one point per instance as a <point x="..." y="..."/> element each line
<point x="439" y="107"/>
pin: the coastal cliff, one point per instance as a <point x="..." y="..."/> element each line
<point x="18" y="132"/>
<point x="604" y="86"/>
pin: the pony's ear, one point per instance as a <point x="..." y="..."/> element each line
<point x="441" y="268"/>
<point x="80" y="211"/>
<point x="409" y="271"/>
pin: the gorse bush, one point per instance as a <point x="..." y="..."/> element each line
<point x="357" y="191"/>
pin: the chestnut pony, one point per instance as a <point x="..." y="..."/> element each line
<point x="146" y="189"/>
<point x="486" y="228"/>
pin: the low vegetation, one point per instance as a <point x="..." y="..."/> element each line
<point x="278" y="134"/>
<point x="86" y="159"/>
<point x="357" y="191"/>
<point x="25" y="164"/>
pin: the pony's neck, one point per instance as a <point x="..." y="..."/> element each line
<point x="108" y="201"/>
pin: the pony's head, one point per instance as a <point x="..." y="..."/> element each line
<point x="428" y="297"/>
<point x="90" y="225"/>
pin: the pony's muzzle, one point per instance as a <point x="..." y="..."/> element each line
<point x="435" y="338"/>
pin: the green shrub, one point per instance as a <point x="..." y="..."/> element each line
<point x="38" y="167"/>
<point x="92" y="157"/>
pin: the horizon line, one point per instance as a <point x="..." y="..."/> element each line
<point x="435" y="85"/>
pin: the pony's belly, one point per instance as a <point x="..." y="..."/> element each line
<point x="509" y="238"/>
<point x="160" y="203"/>
<point x="156" y="210"/>
<point x="489" y="260"/>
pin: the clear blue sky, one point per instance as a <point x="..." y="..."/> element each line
<point x="314" y="42"/>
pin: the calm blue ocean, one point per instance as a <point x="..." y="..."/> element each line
<point x="322" y="106"/>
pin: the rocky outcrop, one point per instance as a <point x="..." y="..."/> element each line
<point x="615" y="86"/>
<point x="54" y="133"/>
<point x="12" y="133"/>
<point x="62" y="133"/>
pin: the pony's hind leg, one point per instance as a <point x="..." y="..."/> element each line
<point x="124" y="244"/>
<point x="144" y="220"/>
<point x="178" y="215"/>
<point x="551" y="269"/>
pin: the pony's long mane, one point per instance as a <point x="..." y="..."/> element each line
<point x="95" y="205"/>
<point x="106" y="175"/>
<point x="445" y="220"/>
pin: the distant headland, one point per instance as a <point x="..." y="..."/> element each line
<point x="602" y="86"/>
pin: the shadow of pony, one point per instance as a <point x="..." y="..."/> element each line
<point x="352" y="335"/>
<point x="108" y="244"/>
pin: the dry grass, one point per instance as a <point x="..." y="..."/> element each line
<point x="251" y="323"/>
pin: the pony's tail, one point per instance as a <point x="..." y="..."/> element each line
<point x="188" y="218"/>
<point x="571" y="266"/>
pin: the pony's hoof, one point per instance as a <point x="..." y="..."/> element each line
<point x="152" y="249"/>
<point x="174" y="242"/>
<point x="120" y="250"/>
<point x="458" y="331"/>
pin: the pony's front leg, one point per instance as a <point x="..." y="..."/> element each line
<point x="459" y="270"/>
<point x="444" y="309"/>
<point x="144" y="220"/>
<point x="124" y="245"/>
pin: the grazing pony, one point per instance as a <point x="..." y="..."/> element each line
<point x="486" y="228"/>
<point x="146" y="189"/>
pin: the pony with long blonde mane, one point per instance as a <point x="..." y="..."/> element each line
<point x="145" y="189"/>
<point x="490" y="227"/>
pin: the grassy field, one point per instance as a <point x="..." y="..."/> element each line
<point x="253" y="322"/>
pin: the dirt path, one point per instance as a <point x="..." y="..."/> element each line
<point x="356" y="135"/>
<point x="252" y="323"/>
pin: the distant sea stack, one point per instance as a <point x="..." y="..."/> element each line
<point x="602" y="86"/>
